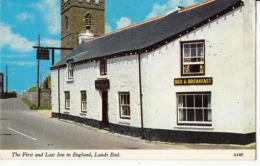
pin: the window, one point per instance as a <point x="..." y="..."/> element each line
<point x="124" y="105"/>
<point x="194" y="109"/>
<point x="193" y="58"/>
<point x="70" y="70"/>
<point x="67" y="100"/>
<point x="67" y="23"/>
<point x="88" y="21"/>
<point x="83" y="101"/>
<point x="103" y="66"/>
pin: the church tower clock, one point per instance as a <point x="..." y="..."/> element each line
<point x="81" y="18"/>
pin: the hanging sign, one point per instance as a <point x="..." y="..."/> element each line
<point x="43" y="54"/>
<point x="194" y="81"/>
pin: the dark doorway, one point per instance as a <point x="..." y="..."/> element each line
<point x="105" y="109"/>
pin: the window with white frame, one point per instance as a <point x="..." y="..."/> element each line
<point x="194" y="109"/>
<point x="83" y="101"/>
<point x="70" y="70"/>
<point x="193" y="58"/>
<point x="103" y="66"/>
<point x="67" y="100"/>
<point x="124" y="105"/>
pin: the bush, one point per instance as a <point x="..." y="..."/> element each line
<point x="29" y="104"/>
<point x="32" y="89"/>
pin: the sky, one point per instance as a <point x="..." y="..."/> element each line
<point x="22" y="20"/>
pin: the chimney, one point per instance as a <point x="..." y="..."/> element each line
<point x="83" y="37"/>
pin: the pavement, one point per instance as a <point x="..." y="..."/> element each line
<point x="46" y="113"/>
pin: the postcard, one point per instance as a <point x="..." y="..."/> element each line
<point x="128" y="80"/>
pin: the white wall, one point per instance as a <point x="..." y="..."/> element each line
<point x="226" y="58"/>
<point x="54" y="91"/>
<point x="123" y="76"/>
<point x="249" y="60"/>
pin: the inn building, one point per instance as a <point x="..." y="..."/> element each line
<point x="187" y="76"/>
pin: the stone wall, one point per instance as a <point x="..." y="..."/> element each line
<point x="45" y="97"/>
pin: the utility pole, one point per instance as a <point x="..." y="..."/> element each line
<point x="6" y="90"/>
<point x="37" y="81"/>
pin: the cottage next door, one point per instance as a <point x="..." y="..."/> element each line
<point x="105" y="109"/>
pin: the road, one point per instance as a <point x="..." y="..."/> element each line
<point x="22" y="128"/>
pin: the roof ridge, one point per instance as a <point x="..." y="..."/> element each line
<point x="195" y="5"/>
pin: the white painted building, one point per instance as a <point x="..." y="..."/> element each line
<point x="188" y="76"/>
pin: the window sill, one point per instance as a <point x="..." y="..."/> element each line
<point x="193" y="128"/>
<point x="102" y="77"/>
<point x="194" y="74"/>
<point x="124" y="123"/>
<point x="125" y="118"/>
<point x="83" y="114"/>
<point x="70" y="81"/>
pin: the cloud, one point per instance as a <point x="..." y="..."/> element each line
<point x="23" y="63"/>
<point x="169" y="6"/>
<point x="108" y="28"/>
<point x="123" y="22"/>
<point x="14" y="41"/>
<point x="23" y="16"/>
<point x="157" y="10"/>
<point x="16" y="55"/>
<point x="50" y="43"/>
<point x="50" y="9"/>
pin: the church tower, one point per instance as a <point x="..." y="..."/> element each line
<point x="81" y="19"/>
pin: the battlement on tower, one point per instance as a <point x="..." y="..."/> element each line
<point x="96" y="4"/>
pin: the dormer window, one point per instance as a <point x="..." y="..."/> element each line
<point x="70" y="70"/>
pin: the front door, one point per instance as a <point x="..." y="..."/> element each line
<point x="105" y="108"/>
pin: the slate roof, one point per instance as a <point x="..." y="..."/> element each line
<point x="151" y="33"/>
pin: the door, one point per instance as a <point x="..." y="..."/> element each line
<point x="105" y="109"/>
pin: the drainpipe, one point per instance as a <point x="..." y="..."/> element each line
<point x="141" y="95"/>
<point x="59" y="91"/>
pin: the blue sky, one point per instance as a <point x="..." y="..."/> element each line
<point x="22" y="20"/>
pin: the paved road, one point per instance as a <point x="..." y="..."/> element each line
<point x="24" y="129"/>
